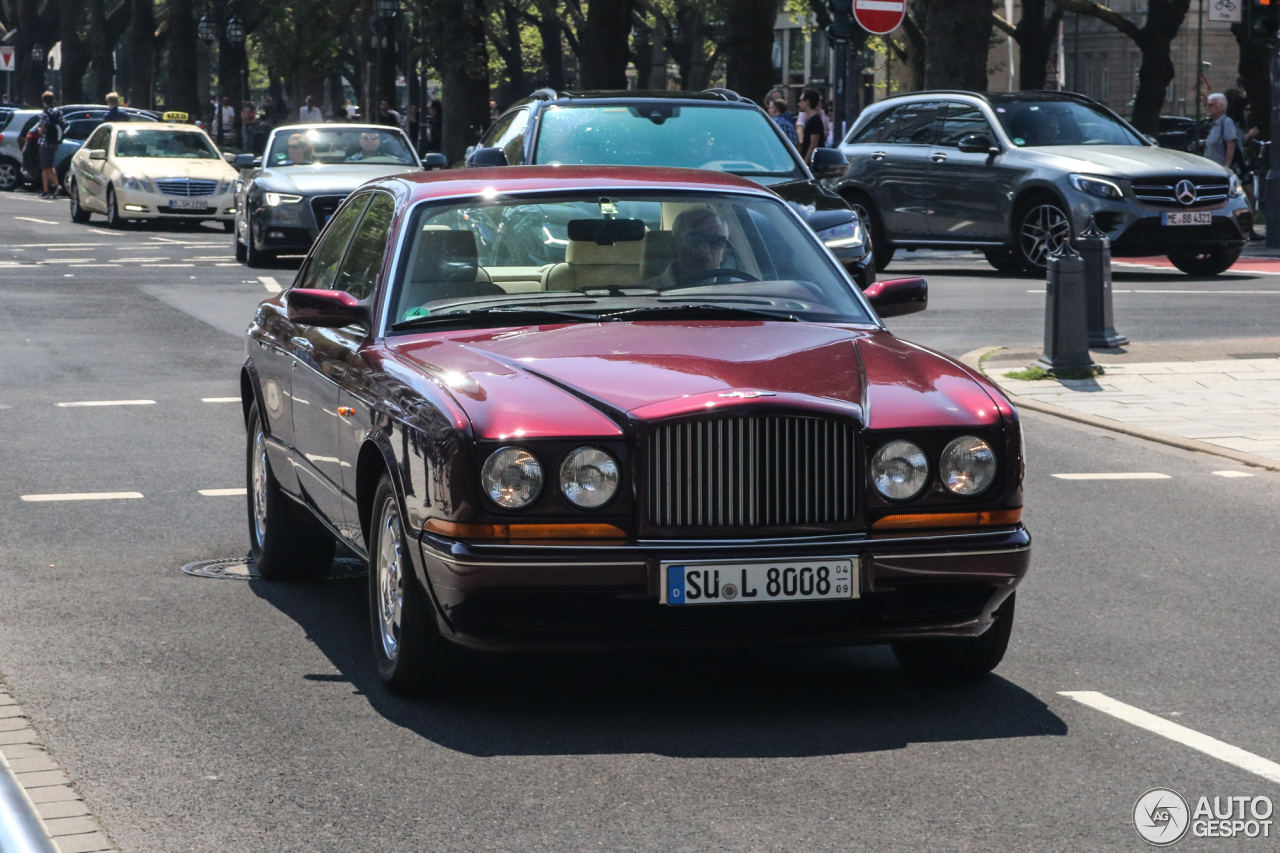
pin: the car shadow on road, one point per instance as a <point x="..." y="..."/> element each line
<point x="760" y="704"/>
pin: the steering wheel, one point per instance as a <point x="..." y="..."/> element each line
<point x="740" y="275"/>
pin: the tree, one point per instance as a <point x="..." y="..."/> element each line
<point x="1153" y="38"/>
<point x="463" y="61"/>
<point x="603" y="43"/>
<point x="748" y="44"/>
<point x="142" y="40"/>
<point x="957" y="46"/>
<point x="181" y="94"/>
<point x="105" y="30"/>
<point x="75" y="59"/>
<point x="1034" y="35"/>
<point x="1255" y="71"/>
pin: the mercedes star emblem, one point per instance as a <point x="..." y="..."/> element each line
<point x="1185" y="191"/>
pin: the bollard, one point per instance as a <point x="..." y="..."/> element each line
<point x="1095" y="249"/>
<point x="1066" y="322"/>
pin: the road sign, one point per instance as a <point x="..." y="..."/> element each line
<point x="879" y="17"/>
<point x="1226" y="10"/>
<point x="6" y="57"/>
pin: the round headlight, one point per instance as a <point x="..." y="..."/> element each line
<point x="899" y="470"/>
<point x="589" y="477"/>
<point x="968" y="466"/>
<point x="511" y="477"/>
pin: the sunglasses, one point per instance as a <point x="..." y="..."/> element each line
<point x="698" y="240"/>
<point x="296" y="145"/>
<point x="369" y="137"/>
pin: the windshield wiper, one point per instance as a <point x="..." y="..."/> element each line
<point x="494" y="317"/>
<point x="700" y="311"/>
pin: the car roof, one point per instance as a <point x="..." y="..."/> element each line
<point x="294" y="128"/>
<point x="989" y="97"/>
<point x="155" y="125"/>
<point x="521" y="179"/>
<point x="721" y="97"/>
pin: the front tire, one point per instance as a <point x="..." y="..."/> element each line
<point x="78" y="213"/>
<point x="286" y="542"/>
<point x="407" y="647"/>
<point x="880" y="248"/>
<point x="1204" y="263"/>
<point x="10" y="175"/>
<point x="253" y="256"/>
<point x="228" y="227"/>
<point x="1042" y="229"/>
<point x="1003" y="260"/>
<point x="114" y="219"/>
<point x="959" y="657"/>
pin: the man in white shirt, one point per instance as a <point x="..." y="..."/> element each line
<point x="310" y="113"/>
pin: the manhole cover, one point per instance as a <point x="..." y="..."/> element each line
<point x="241" y="568"/>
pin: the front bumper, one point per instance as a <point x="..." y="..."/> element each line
<point x="285" y="228"/>
<point x="554" y="596"/>
<point x="143" y="205"/>
<point x="1135" y="229"/>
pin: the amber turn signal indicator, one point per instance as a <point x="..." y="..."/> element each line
<point x="993" y="518"/>
<point x="346" y="411"/>
<point x="524" y="531"/>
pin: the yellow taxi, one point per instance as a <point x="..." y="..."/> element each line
<point x="151" y="170"/>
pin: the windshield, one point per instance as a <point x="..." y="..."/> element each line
<point x="319" y="145"/>
<point x="1032" y="123"/>
<point x="723" y="139"/>
<point x="188" y="144"/>
<point x="628" y="252"/>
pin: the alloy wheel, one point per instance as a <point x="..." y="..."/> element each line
<point x="390" y="578"/>
<point x="259" y="469"/>
<point x="1045" y="230"/>
<point x="8" y="176"/>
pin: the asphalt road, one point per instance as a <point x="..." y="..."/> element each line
<point x="213" y="715"/>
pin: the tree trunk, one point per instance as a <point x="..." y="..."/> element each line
<point x="464" y="64"/>
<point x="513" y="55"/>
<point x="956" y="33"/>
<point x="604" y="45"/>
<point x="748" y="45"/>
<point x="1255" y="71"/>
<point x="75" y="59"/>
<point x="181" y="95"/>
<point x="1154" y="76"/>
<point x="548" y="24"/>
<point x="30" y="73"/>
<point x="1035" y="38"/>
<point x="142" y="52"/>
<point x="101" y="53"/>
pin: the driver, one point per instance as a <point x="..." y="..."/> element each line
<point x="370" y="146"/>
<point x="701" y="238"/>
<point x="301" y="151"/>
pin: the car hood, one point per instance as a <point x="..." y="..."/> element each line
<point x="313" y="180"/>
<point x="176" y="167"/>
<point x="1120" y="161"/>
<point x="586" y="379"/>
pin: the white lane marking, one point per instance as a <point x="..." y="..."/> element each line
<point x="1137" y="475"/>
<point x="219" y="399"/>
<point x="228" y="264"/>
<point x="269" y="283"/>
<point x="1187" y="737"/>
<point x="1198" y="292"/>
<point x="167" y="240"/>
<point x="222" y="493"/>
<point x="84" y="496"/>
<point x="166" y="266"/>
<point x="135" y="260"/>
<point x="106" y="403"/>
<point x="1232" y="474"/>
<point x="41" y="221"/>
<point x="71" y="248"/>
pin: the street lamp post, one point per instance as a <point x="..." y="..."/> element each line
<point x="37" y="56"/>
<point x="384" y="13"/>
<point x="208" y="30"/>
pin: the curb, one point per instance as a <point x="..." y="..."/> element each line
<point x="973" y="358"/>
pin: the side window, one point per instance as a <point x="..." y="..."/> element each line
<point x="916" y="124"/>
<point x="874" y="130"/>
<point x="962" y="120"/>
<point x="512" y="139"/>
<point x="499" y="130"/>
<point x="99" y="139"/>
<point x="360" y="269"/>
<point x="322" y="268"/>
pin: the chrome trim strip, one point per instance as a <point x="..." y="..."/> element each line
<point x="510" y="564"/>
<point x="1014" y="550"/>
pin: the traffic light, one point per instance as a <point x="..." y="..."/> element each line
<point x="1264" y="20"/>
<point x="842" y="26"/>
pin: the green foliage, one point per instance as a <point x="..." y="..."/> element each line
<point x="1035" y="372"/>
<point x="282" y="40"/>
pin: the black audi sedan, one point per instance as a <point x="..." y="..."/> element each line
<point x="284" y="198"/>
<point x="716" y="129"/>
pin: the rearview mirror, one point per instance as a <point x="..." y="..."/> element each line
<point x="893" y="297"/>
<point x="975" y="143"/>
<point x="331" y="309"/>
<point x="828" y="163"/>
<point x="98" y="154"/>
<point x="606" y="232"/>
<point x="435" y="160"/>
<point x="482" y="157"/>
<point x="245" y="161"/>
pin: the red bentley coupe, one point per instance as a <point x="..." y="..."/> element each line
<point x="603" y="407"/>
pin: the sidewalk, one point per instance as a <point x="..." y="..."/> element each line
<point x="1222" y="397"/>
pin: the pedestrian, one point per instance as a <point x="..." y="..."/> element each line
<point x="813" y="131"/>
<point x="114" y="113"/>
<point x="310" y="113"/>
<point x="828" y="121"/>
<point x="51" y="129"/>
<point x="783" y="119"/>
<point x="226" y="120"/>
<point x="413" y="127"/>
<point x="386" y="115"/>
<point x="339" y="116"/>
<point x="1220" y="144"/>
<point x="435" y="123"/>
<point x="248" y="125"/>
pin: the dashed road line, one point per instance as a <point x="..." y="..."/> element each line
<point x="83" y="496"/>
<point x="83" y="403"/>
<point x="219" y="399"/>
<point x="1135" y="475"/>
<point x="1212" y="747"/>
<point x="1232" y="474"/>
<point x="270" y="284"/>
<point x="223" y="493"/>
<point x="81" y="248"/>
<point x="166" y="266"/>
<point x="41" y="221"/>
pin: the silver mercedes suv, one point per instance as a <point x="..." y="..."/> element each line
<point x="1016" y="174"/>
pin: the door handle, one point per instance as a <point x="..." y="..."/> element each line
<point x="877" y="155"/>
<point x="939" y="158"/>
<point x="302" y="344"/>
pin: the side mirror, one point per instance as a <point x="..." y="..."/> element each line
<point x="331" y="309"/>
<point x="435" y="160"/>
<point x="893" y="297"/>
<point x="482" y="157"/>
<point x="245" y="161"/>
<point x="229" y="157"/>
<point x="976" y="143"/>
<point x="828" y="163"/>
<point x="98" y="154"/>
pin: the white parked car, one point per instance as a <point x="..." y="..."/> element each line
<point x="151" y="170"/>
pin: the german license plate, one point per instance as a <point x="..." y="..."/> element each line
<point x="187" y="204"/>
<point x="1187" y="217"/>
<point x="752" y="583"/>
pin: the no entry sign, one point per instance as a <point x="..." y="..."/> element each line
<point x="6" y="57"/>
<point x="879" y="17"/>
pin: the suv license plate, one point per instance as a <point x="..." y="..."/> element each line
<point x="752" y="583"/>
<point x="1187" y="217"/>
<point x="188" y="204"/>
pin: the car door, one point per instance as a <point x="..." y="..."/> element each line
<point x="973" y="189"/>
<point x="89" y="172"/>
<point x="906" y="192"/>
<point x="320" y="359"/>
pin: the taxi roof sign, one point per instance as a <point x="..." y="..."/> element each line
<point x="175" y="116"/>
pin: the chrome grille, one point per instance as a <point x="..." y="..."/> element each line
<point x="1161" y="192"/>
<point x="759" y="471"/>
<point x="186" y="187"/>
<point x="323" y="207"/>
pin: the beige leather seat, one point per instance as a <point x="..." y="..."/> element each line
<point x="588" y="264"/>
<point x="658" y="253"/>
